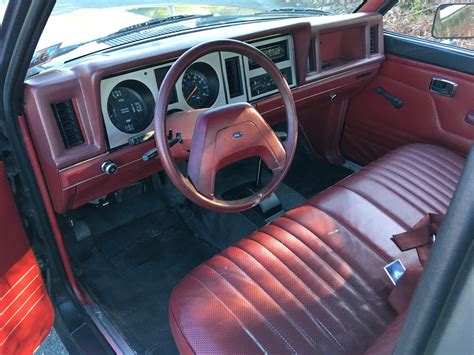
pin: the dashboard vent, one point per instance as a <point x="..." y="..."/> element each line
<point x="67" y="123"/>
<point x="234" y="75"/>
<point x="122" y="39"/>
<point x="373" y="39"/>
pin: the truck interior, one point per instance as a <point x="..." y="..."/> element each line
<point x="247" y="187"/>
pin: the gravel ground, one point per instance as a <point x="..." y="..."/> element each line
<point x="52" y="345"/>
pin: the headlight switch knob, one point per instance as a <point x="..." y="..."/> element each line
<point x="109" y="167"/>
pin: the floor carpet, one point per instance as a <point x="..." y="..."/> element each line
<point x="132" y="269"/>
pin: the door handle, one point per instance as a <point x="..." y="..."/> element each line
<point x="443" y="87"/>
<point x="394" y="101"/>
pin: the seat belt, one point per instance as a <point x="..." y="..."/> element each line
<point x="421" y="237"/>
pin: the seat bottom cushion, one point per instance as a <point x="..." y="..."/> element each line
<point x="297" y="285"/>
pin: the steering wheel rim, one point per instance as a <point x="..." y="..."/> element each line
<point x="182" y="183"/>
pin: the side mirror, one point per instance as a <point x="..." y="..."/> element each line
<point x="454" y="21"/>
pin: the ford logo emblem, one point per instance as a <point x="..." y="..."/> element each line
<point x="236" y="135"/>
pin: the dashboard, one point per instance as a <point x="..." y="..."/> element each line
<point x="128" y="100"/>
<point x="95" y="110"/>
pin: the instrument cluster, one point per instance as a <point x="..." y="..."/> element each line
<point x="128" y="100"/>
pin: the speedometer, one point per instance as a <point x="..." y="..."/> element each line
<point x="200" y="86"/>
<point x="196" y="89"/>
<point x="130" y="106"/>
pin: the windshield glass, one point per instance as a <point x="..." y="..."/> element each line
<point x="78" y="21"/>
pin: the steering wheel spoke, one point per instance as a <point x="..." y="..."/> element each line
<point x="228" y="134"/>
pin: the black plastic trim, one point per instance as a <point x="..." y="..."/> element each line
<point x="430" y="52"/>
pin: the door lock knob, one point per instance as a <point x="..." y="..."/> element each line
<point x="109" y="167"/>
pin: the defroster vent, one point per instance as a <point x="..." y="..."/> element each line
<point x="67" y="123"/>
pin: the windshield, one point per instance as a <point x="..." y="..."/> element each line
<point x="78" y="21"/>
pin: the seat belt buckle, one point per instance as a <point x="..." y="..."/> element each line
<point x="395" y="270"/>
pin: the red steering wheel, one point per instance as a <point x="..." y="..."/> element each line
<point x="226" y="134"/>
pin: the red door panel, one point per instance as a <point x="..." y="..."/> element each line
<point x="26" y="312"/>
<point x="373" y="127"/>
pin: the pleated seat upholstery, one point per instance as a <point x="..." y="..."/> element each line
<point x="312" y="281"/>
<point x="392" y="194"/>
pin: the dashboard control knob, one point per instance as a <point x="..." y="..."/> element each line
<point x="109" y="167"/>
